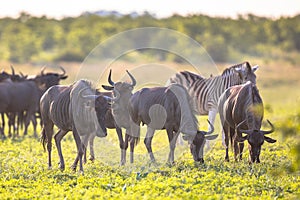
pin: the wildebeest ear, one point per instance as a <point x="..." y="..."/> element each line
<point x="270" y="140"/>
<point x="254" y="68"/>
<point x="211" y="137"/>
<point x="106" y="87"/>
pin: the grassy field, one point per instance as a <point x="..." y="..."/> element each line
<point x="23" y="162"/>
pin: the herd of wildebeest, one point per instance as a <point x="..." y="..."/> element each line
<point x="87" y="112"/>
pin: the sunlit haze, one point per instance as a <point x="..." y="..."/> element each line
<point x="224" y="8"/>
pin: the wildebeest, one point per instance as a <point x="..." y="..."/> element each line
<point x="168" y="108"/>
<point x="123" y="92"/>
<point x="23" y="95"/>
<point x="73" y="108"/>
<point x="241" y="111"/>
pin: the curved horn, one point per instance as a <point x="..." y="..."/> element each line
<point x="118" y="95"/>
<point x="270" y="131"/>
<point x="109" y="79"/>
<point x="63" y="70"/>
<point x="212" y="128"/>
<point x="242" y="131"/>
<point x="23" y="76"/>
<point x="132" y="79"/>
<point x="12" y="70"/>
<point x="42" y="71"/>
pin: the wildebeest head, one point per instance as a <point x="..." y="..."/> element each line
<point x="246" y="72"/>
<point x="46" y="80"/>
<point x="255" y="139"/>
<point x="197" y="145"/>
<point x="120" y="89"/>
<point x="4" y="75"/>
<point x="17" y="77"/>
<point x="101" y="104"/>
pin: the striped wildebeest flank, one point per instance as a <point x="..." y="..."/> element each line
<point x="168" y="108"/>
<point x="109" y="123"/>
<point x="122" y="92"/>
<point x="73" y="108"/>
<point x="241" y="111"/>
<point x="205" y="92"/>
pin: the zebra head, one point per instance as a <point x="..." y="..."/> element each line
<point x="246" y="72"/>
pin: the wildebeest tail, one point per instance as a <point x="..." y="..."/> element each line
<point x="44" y="138"/>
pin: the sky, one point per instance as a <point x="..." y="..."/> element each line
<point x="161" y="8"/>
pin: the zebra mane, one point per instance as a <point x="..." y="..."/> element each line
<point x="230" y="70"/>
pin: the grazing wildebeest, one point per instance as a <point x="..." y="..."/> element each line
<point x="241" y="111"/>
<point x="205" y="92"/>
<point x="109" y="123"/>
<point x="123" y="92"/>
<point x="168" y="108"/>
<point x="73" y="108"/>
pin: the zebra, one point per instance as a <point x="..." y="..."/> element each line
<point x="205" y="92"/>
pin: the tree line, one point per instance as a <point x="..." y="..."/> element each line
<point x="35" y="39"/>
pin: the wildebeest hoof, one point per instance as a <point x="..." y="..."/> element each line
<point x="73" y="168"/>
<point x="227" y="159"/>
<point x="200" y="160"/>
<point x="92" y="158"/>
<point x="62" y="168"/>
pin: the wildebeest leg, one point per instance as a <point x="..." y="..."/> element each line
<point x="47" y="134"/>
<point x="241" y="147"/>
<point x="226" y="139"/>
<point x="122" y="145"/>
<point x="135" y="131"/>
<point x="123" y="152"/>
<point x="236" y="150"/>
<point x="92" y="154"/>
<point x="83" y="146"/>
<point x="27" y="121"/>
<point x="11" y="120"/>
<point x="34" y="123"/>
<point x="3" y="124"/>
<point x="78" y="145"/>
<point x="148" y="141"/>
<point x="58" y="137"/>
<point x="172" y="142"/>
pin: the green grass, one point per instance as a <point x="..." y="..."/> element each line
<point x="24" y="175"/>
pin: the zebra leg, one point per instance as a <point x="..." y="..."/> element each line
<point x="211" y="117"/>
